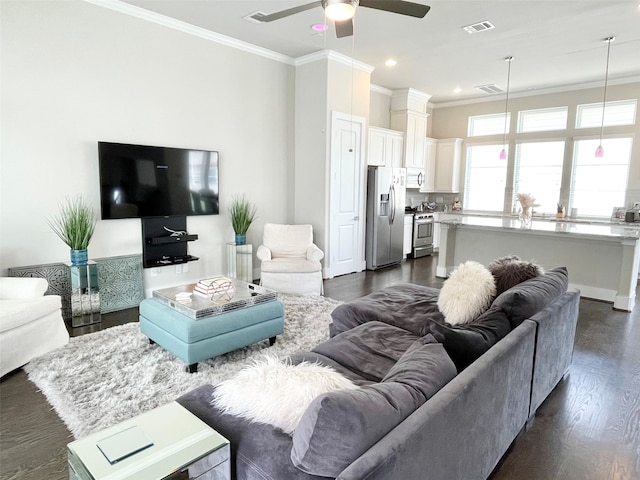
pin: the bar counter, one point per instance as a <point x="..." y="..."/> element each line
<point x="602" y="258"/>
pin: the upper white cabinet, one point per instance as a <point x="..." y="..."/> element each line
<point x="416" y="131"/>
<point x="409" y="115"/>
<point x="430" y="152"/>
<point x="447" y="171"/>
<point x="385" y="147"/>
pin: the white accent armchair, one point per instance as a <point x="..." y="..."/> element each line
<point x="290" y="260"/>
<point x="31" y="322"/>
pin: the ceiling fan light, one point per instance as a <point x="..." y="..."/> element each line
<point x="340" y="10"/>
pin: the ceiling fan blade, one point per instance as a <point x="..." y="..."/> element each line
<point x="285" y="13"/>
<point x="398" y="6"/>
<point x="344" y="28"/>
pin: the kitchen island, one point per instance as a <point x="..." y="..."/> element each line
<point x="602" y="259"/>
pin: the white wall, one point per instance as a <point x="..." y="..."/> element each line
<point x="74" y="73"/>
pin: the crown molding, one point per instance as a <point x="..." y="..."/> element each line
<point x="536" y="92"/>
<point x="336" y="57"/>
<point x="382" y="90"/>
<point x="185" y="27"/>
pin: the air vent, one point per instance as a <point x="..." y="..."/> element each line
<point x="255" y="17"/>
<point x="490" y="89"/>
<point x="479" y="27"/>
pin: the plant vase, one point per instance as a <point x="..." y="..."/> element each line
<point x="79" y="257"/>
<point x="525" y="216"/>
<point x="241" y="238"/>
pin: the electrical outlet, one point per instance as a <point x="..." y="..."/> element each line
<point x="185" y="268"/>
<point x="178" y="268"/>
<point x="154" y="272"/>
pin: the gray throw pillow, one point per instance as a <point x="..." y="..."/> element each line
<point x="531" y="296"/>
<point x="340" y="426"/>
<point x="466" y="343"/>
<point x="511" y="270"/>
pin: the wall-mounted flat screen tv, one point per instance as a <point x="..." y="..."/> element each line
<point x="144" y="181"/>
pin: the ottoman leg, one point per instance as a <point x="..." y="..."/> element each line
<point x="151" y="342"/>
<point x="193" y="368"/>
<point x="272" y="341"/>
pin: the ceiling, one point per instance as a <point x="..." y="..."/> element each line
<point x="555" y="43"/>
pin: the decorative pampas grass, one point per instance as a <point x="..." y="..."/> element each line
<point x="275" y="392"/>
<point x="467" y="293"/>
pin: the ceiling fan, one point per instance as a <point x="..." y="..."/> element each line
<point x="342" y="11"/>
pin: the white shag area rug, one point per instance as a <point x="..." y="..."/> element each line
<point x="103" y="378"/>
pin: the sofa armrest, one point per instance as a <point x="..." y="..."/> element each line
<point x="22" y="287"/>
<point x="314" y="253"/>
<point x="263" y="253"/>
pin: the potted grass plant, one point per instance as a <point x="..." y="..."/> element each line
<point x="242" y="213"/>
<point x="74" y="224"/>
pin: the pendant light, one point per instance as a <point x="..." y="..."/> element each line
<point x="600" y="149"/>
<point x="503" y="152"/>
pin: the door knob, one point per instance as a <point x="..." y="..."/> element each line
<point x="356" y="218"/>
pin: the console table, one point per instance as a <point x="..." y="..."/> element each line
<point x="167" y="443"/>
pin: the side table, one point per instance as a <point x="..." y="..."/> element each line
<point x="167" y="443"/>
<point x="240" y="262"/>
<point x="85" y="293"/>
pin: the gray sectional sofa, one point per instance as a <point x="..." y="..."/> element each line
<point x="436" y="401"/>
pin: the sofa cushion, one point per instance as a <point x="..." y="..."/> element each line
<point x="510" y="270"/>
<point x="527" y="298"/>
<point x="15" y="313"/>
<point x="466" y="343"/>
<point x="340" y="426"/>
<point x="290" y="265"/>
<point x="275" y="392"/>
<point x="368" y="350"/>
<point x="467" y="293"/>
<point x="405" y="305"/>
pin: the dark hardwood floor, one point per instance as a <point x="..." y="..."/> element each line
<point x="588" y="428"/>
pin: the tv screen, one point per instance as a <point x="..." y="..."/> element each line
<point x="143" y="181"/>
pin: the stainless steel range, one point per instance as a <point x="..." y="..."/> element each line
<point x="422" y="235"/>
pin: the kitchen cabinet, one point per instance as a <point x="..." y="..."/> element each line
<point x="414" y="148"/>
<point x="385" y="147"/>
<point x="447" y="165"/>
<point x="408" y="235"/>
<point x="430" y="152"/>
<point x="415" y="177"/>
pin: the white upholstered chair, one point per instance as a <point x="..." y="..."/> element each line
<point x="31" y="322"/>
<point x="290" y="260"/>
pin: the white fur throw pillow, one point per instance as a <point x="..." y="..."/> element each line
<point x="275" y="392"/>
<point x="467" y="293"/>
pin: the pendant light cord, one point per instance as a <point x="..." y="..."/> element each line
<point x="606" y="79"/>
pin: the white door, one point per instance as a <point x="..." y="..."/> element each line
<point x="346" y="226"/>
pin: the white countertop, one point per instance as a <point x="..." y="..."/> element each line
<point x="611" y="230"/>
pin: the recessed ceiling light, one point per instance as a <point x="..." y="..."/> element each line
<point x="318" y="27"/>
<point x="457" y="90"/>
<point x="391" y="63"/>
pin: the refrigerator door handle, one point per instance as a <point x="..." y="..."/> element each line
<point x="392" y="204"/>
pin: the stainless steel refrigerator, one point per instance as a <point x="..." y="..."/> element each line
<point x="385" y="216"/>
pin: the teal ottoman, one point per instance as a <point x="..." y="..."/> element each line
<point x="196" y="340"/>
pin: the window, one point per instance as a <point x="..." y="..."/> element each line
<point x="599" y="184"/>
<point x="538" y="171"/>
<point x="488" y="124"/>
<point x="622" y="112"/>
<point x="543" y="119"/>
<point x="485" y="178"/>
